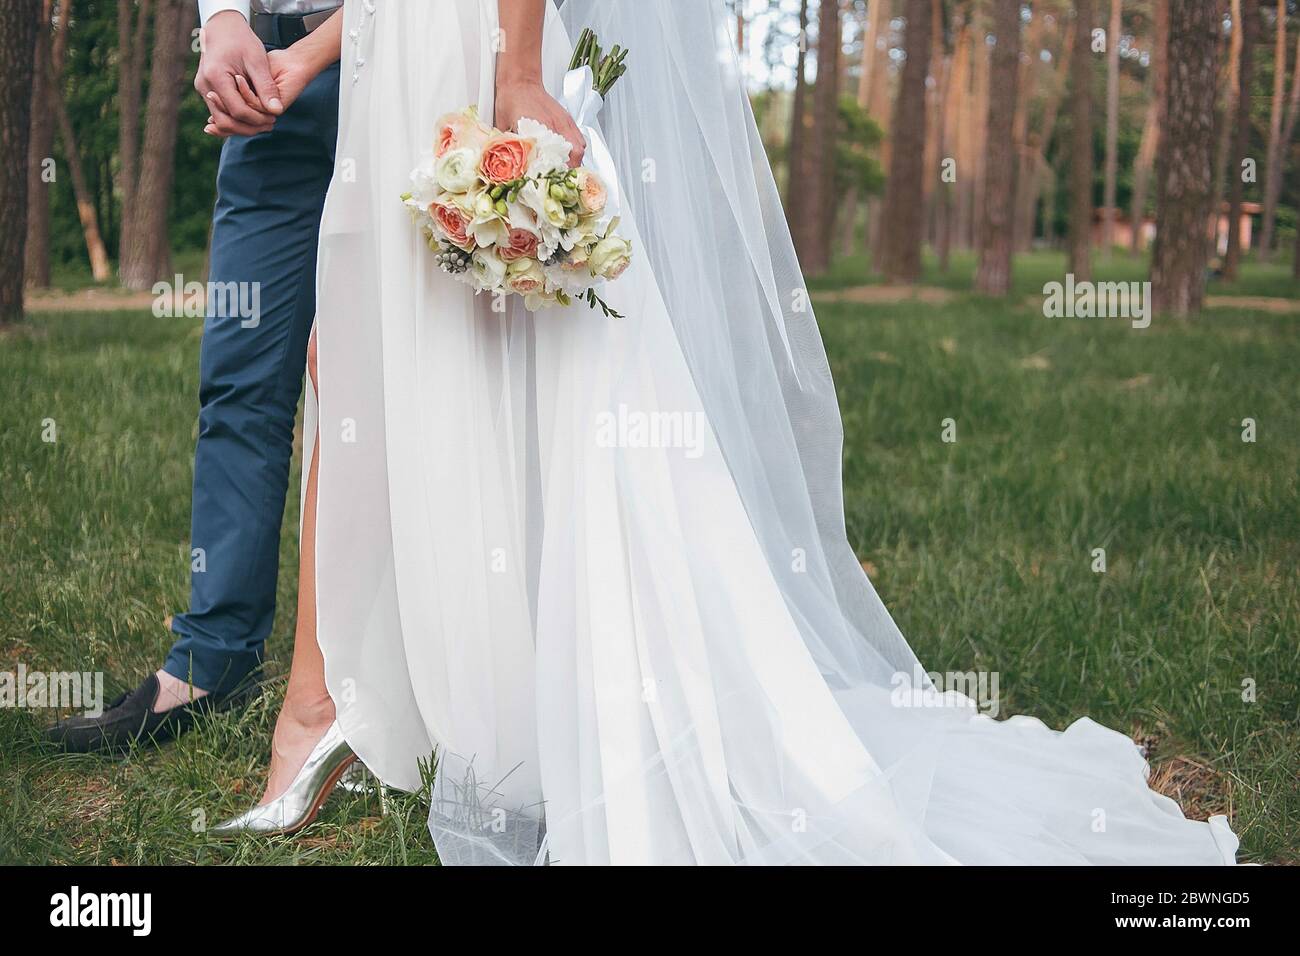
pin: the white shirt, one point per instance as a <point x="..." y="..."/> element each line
<point x="210" y="8"/>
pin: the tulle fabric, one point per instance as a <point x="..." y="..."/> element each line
<point x="598" y="567"/>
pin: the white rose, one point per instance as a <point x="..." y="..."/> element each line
<point x="457" y="170"/>
<point x="610" y="257"/>
<point x="526" y="277"/>
<point x="487" y="269"/>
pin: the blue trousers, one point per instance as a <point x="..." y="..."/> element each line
<point x="270" y="194"/>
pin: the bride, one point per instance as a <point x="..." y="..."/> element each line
<point x="618" y="647"/>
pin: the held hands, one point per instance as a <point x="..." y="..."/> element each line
<point x="528" y="98"/>
<point x="235" y="80"/>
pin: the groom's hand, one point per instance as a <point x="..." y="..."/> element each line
<point x="232" y="53"/>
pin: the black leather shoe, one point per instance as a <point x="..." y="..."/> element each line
<point x="130" y="719"/>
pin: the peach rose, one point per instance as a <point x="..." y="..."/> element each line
<point x="526" y="279"/>
<point x="505" y="158"/>
<point x="521" y="244"/>
<point x="454" y="224"/>
<point x="592" y="194"/>
<point x="457" y="130"/>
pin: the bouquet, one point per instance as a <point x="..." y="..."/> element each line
<point x="503" y="212"/>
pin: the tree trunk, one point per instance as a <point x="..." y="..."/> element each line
<point x="1224" y="124"/>
<point x="1273" y="172"/>
<point x="943" y="190"/>
<point x="956" y="102"/>
<point x="147" y="255"/>
<point x="1151" y="126"/>
<point x="933" y="119"/>
<point x="132" y="24"/>
<point x="873" y="96"/>
<point x="1031" y="70"/>
<point x="19" y="23"/>
<point x="1041" y="172"/>
<point x="1240" y="137"/>
<point x="100" y="267"/>
<point x="822" y="195"/>
<point x="1080" y="237"/>
<point x="977" y="120"/>
<point x="1288" y="131"/>
<point x="956" y="92"/>
<point x="39" y="149"/>
<point x="900" y="248"/>
<point x="993" y="276"/>
<point x="796" y="210"/>
<point x="1183" y="188"/>
<point x="1111" y="170"/>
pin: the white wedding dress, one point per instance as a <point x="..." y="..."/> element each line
<point x="656" y="648"/>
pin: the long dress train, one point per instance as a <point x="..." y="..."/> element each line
<point x="598" y="567"/>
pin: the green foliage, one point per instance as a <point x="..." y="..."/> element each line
<point x="856" y="142"/>
<point x="856" y="166"/>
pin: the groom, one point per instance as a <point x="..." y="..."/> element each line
<point x="275" y="168"/>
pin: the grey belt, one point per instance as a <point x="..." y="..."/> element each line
<point x="286" y="29"/>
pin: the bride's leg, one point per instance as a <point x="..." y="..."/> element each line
<point x="308" y="710"/>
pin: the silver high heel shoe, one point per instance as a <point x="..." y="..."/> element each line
<point x="300" y="804"/>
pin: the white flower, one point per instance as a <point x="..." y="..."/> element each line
<point x="550" y="149"/>
<point x="611" y="256"/>
<point x="486" y="225"/>
<point x="486" y="270"/>
<point x="534" y="198"/>
<point x="424" y="187"/>
<point x="526" y="277"/>
<point x="457" y="170"/>
<point x="573" y="278"/>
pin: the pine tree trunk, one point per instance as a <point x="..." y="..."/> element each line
<point x="1111" y="170"/>
<point x="1080" y="236"/>
<point x="956" y="102"/>
<point x="19" y="22"/>
<point x="933" y="120"/>
<point x="901" y="228"/>
<point x="147" y="255"/>
<point x="1240" y="137"/>
<point x="39" y="150"/>
<point x="100" y="268"/>
<point x="815" y="256"/>
<point x="795" y="174"/>
<point x="1224" y="122"/>
<point x="993" y="276"/>
<point x="1183" y="189"/>
<point x="1040" y="171"/>
<point x="943" y="190"/>
<point x="1031" y="69"/>
<point x="1273" y="173"/>
<point x="1284" y="145"/>
<point x="977" y="120"/>
<point x="132" y="27"/>
<point x="1152" y="125"/>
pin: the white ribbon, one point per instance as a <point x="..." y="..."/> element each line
<point x="583" y="104"/>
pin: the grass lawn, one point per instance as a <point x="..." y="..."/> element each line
<point x="1072" y="435"/>
<point x="1032" y="269"/>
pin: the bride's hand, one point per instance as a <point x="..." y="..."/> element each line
<point x="529" y="99"/>
<point x="292" y="73"/>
